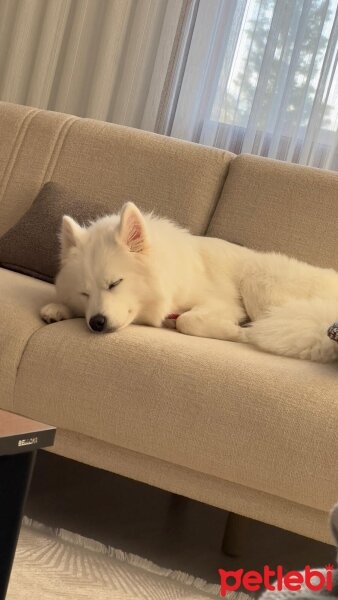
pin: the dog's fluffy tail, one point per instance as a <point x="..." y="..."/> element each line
<point x="298" y="329"/>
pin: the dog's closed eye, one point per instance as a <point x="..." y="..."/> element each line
<point x="114" y="284"/>
<point x="85" y="294"/>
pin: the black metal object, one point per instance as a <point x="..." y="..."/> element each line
<point x="15" y="475"/>
<point x="20" y="438"/>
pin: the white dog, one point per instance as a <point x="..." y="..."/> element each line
<point x="135" y="268"/>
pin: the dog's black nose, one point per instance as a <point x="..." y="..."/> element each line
<point x="98" y="322"/>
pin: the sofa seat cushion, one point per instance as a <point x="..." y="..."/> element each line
<point x="215" y="407"/>
<point x="20" y="300"/>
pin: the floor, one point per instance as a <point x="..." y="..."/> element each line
<point x="170" y="530"/>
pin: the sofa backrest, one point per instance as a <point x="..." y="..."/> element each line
<point x="174" y="178"/>
<point x="270" y="205"/>
<point x="257" y="202"/>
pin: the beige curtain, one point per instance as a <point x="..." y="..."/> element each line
<point x="257" y="76"/>
<point x="106" y="59"/>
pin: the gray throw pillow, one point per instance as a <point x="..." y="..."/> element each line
<point x="32" y="246"/>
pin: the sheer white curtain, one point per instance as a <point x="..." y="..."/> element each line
<point x="256" y="76"/>
<point x="262" y="77"/>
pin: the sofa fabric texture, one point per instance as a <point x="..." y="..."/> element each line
<point x="269" y="205"/>
<point x="20" y="298"/>
<point x="117" y="164"/>
<point x="217" y="421"/>
<point x="207" y="405"/>
<point x="194" y="484"/>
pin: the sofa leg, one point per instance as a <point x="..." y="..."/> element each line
<point x="236" y="534"/>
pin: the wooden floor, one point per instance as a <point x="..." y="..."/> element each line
<point x="170" y="530"/>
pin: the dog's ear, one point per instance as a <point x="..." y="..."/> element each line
<point x="334" y="522"/>
<point x="70" y="234"/>
<point x="132" y="229"/>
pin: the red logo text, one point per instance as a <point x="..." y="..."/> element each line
<point x="277" y="579"/>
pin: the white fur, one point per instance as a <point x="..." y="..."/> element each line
<point x="211" y="283"/>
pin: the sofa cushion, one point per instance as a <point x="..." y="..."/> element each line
<point x="270" y="205"/>
<point x="31" y="246"/>
<point x="93" y="159"/>
<point x="216" y="407"/>
<point x="20" y="300"/>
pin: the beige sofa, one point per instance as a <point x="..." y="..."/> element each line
<point x="216" y="421"/>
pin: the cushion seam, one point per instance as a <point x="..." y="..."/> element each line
<point x="54" y="157"/>
<point x="19" y="139"/>
<point x="219" y="194"/>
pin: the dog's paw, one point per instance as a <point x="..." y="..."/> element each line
<point x="51" y="313"/>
